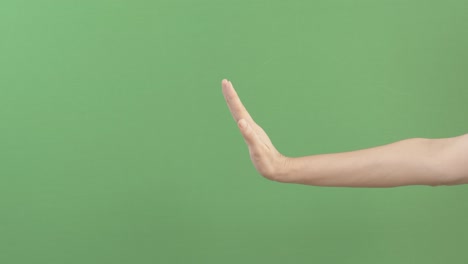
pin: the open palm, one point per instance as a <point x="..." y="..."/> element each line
<point x="266" y="159"/>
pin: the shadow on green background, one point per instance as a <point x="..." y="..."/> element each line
<point x="117" y="147"/>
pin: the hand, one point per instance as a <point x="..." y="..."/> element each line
<point x="266" y="159"/>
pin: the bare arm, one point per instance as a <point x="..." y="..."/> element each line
<point x="414" y="161"/>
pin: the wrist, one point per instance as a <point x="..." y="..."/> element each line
<point x="285" y="170"/>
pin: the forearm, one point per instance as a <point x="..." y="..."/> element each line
<point x="407" y="162"/>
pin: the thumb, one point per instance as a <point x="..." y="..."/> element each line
<point x="247" y="132"/>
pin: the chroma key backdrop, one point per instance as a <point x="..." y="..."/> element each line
<point x="116" y="144"/>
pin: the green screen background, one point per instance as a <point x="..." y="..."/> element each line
<point x="116" y="145"/>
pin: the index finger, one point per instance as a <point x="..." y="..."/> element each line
<point x="238" y="110"/>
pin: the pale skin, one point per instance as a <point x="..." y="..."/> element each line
<point x="415" y="161"/>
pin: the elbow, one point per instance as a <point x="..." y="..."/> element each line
<point x="454" y="178"/>
<point x="452" y="162"/>
<point x="455" y="175"/>
<point x="447" y="177"/>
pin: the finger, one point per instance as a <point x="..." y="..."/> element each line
<point x="250" y="137"/>
<point x="235" y="105"/>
